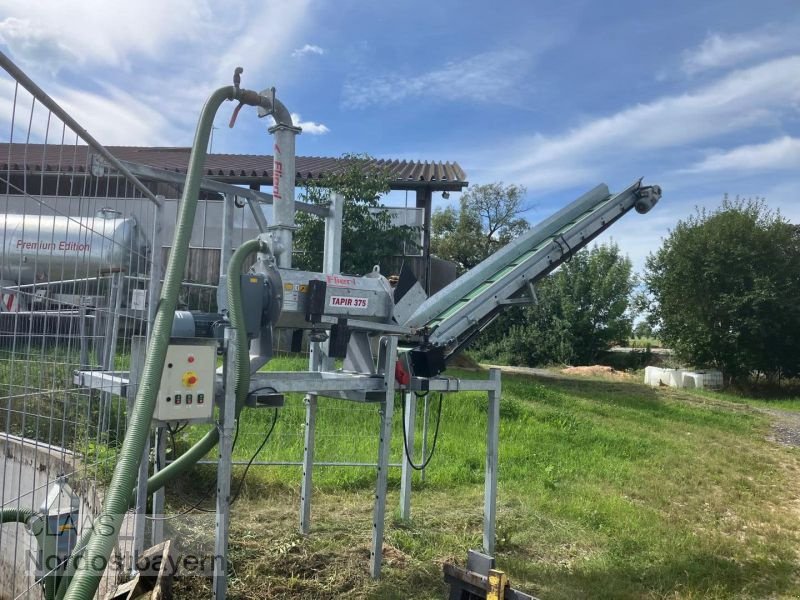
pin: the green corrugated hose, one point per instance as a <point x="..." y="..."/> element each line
<point x="13" y="515"/>
<point x="46" y="544"/>
<point x="107" y="525"/>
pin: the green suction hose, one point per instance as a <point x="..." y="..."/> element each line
<point x="16" y="515"/>
<point x="107" y="525"/>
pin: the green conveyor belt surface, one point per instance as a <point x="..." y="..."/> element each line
<point x="507" y="269"/>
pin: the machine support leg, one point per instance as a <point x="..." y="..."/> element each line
<point x="138" y="350"/>
<point x="407" y="474"/>
<point x="426" y="413"/>
<point x="490" y="486"/>
<point x="227" y="427"/>
<point x="387" y="412"/>
<point x="308" y="463"/>
<point x="157" y="533"/>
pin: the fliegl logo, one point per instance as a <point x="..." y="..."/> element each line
<point x="339" y="281"/>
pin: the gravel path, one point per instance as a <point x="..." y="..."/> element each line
<point x="785" y="426"/>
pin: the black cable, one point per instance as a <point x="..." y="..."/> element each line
<point x="426" y="461"/>
<point x="252" y="458"/>
<point x="196" y="505"/>
<point x="207" y="493"/>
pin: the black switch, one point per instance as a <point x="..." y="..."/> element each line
<point x="188" y="398"/>
<point x="177" y="398"/>
<point x="201" y="398"/>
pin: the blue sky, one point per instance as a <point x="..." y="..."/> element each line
<point x="702" y="98"/>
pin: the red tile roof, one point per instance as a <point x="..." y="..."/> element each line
<point x="231" y="168"/>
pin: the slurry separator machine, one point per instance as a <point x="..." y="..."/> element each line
<point x="389" y="340"/>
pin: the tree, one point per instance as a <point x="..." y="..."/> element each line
<point x="582" y="310"/>
<point x="643" y="330"/>
<point x="725" y="288"/>
<point x="487" y="220"/>
<point x="367" y="231"/>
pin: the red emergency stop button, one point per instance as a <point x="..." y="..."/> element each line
<point x="190" y="378"/>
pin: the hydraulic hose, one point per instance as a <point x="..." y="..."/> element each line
<point x="105" y="529"/>
<point x="242" y="373"/>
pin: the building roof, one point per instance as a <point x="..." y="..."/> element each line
<point x="230" y="168"/>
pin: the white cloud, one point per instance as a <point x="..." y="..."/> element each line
<point x="487" y="77"/>
<point x="758" y="96"/>
<point x="309" y="127"/>
<point x="139" y="73"/>
<point x="91" y="33"/>
<point x="726" y="50"/>
<point x="308" y="49"/>
<point x="778" y="154"/>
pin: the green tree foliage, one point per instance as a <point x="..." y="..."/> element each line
<point x="367" y="231"/>
<point x="487" y="219"/>
<point x="643" y="329"/>
<point x="725" y="288"/>
<point x="582" y="310"/>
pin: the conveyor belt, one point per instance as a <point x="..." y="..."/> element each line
<point x="453" y="316"/>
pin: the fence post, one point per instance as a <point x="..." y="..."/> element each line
<point x="490" y="482"/>
<point x="387" y="412"/>
<point x="407" y="473"/>
<point x="227" y="426"/>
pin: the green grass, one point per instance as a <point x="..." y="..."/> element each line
<point x="645" y="342"/>
<point x="606" y="490"/>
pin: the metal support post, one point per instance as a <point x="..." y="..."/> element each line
<point x="490" y="481"/>
<point x="407" y="470"/>
<point x="426" y="413"/>
<point x="156" y="266"/>
<point x="157" y="533"/>
<point x="332" y="255"/>
<point x="387" y="412"/>
<point x="310" y="400"/>
<point x="226" y="245"/>
<point x="227" y="427"/>
<point x="138" y="351"/>
<point x="110" y="345"/>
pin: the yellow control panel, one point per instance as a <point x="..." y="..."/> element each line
<point x="187" y="382"/>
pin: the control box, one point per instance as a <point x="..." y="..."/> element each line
<point x="187" y="382"/>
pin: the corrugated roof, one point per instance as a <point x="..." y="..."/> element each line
<point x="231" y="168"/>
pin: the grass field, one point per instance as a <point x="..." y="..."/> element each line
<point x="607" y="490"/>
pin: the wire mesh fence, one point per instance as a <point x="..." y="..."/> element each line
<point x="74" y="257"/>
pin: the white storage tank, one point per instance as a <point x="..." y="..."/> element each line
<point x="40" y="248"/>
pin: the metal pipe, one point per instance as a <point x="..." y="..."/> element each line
<point x="53" y="107"/>
<point x="283" y="183"/>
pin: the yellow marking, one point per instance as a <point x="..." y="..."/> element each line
<point x="190" y="379"/>
<point x="497" y="585"/>
<point x="288" y="287"/>
<point x="254" y="280"/>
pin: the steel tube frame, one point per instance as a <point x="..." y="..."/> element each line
<point x="387" y="413"/>
<point x="138" y="349"/>
<point x="407" y="473"/>
<point x="227" y="427"/>
<point x="490" y="475"/>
